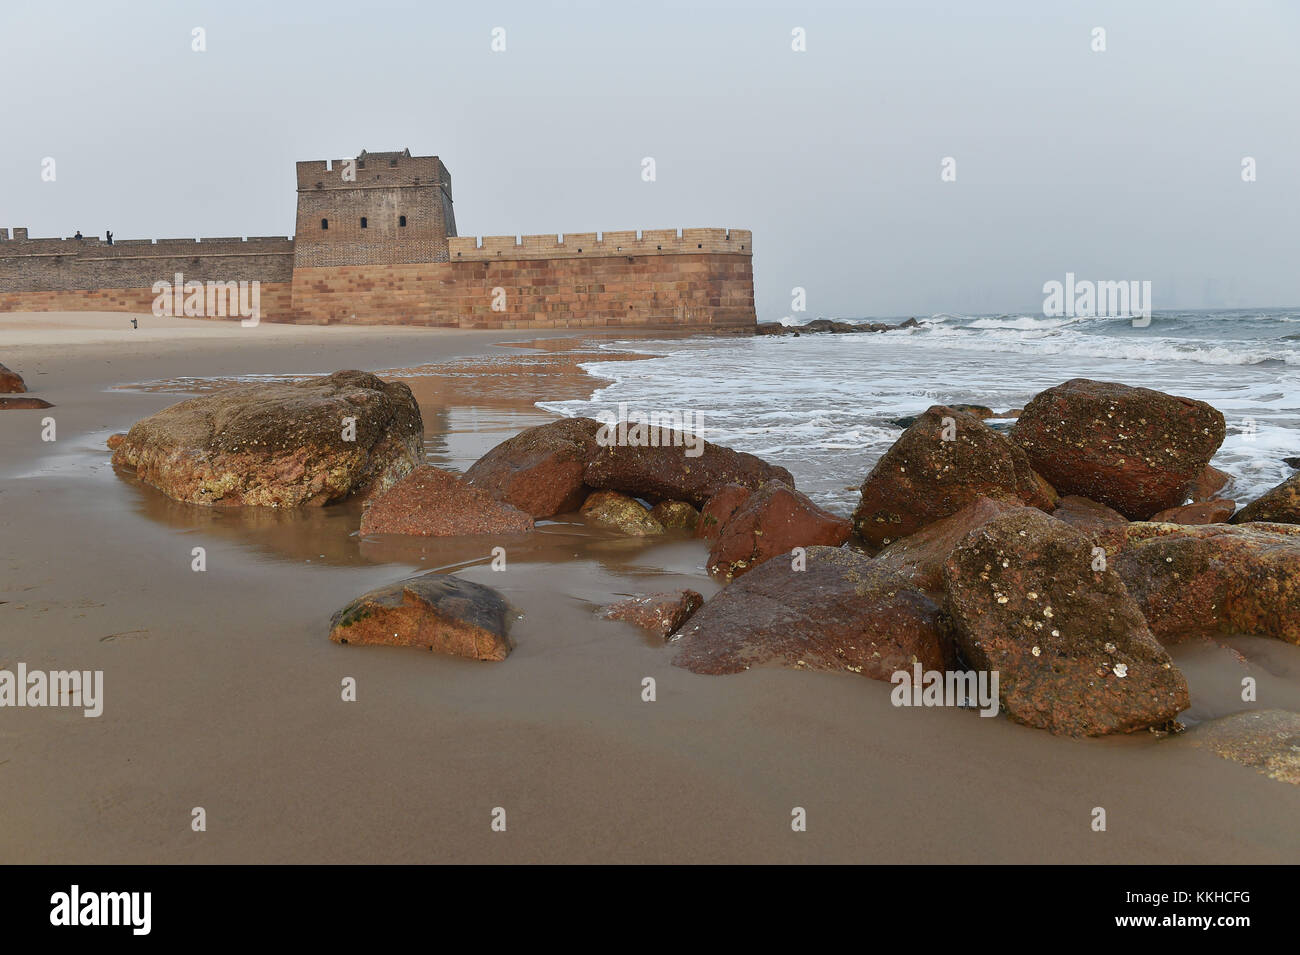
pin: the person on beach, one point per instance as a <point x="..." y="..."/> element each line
<point x="109" y="236"/>
<point x="78" y="235"/>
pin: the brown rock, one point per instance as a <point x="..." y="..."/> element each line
<point x="840" y="613"/>
<point x="1087" y="516"/>
<point x="666" y="473"/>
<point x="540" y="470"/>
<point x="719" y="509"/>
<point x="1204" y="512"/>
<point x="434" y="612"/>
<point x="918" y="558"/>
<point x="676" y="515"/>
<point x="430" y="502"/>
<point x="659" y="613"/>
<point x="1265" y="740"/>
<point x="1280" y="505"/>
<point x="1193" y="581"/>
<point x="925" y="477"/>
<point x="1209" y="484"/>
<point x="1074" y="655"/>
<point x="11" y="382"/>
<point x="115" y="441"/>
<point x="1133" y="449"/>
<point x="773" y="520"/>
<point x="280" y="445"/>
<point x="17" y="404"/>
<point x="621" y="513"/>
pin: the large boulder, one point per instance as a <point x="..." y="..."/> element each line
<point x="11" y="382"/>
<point x="1194" y="581"/>
<point x="1073" y="653"/>
<point x="919" y="558"/>
<point x="434" y="612"/>
<point x="280" y="445"/>
<point x="943" y="462"/>
<point x="661" y="614"/>
<point x="430" y="502"/>
<point x="540" y="470"/>
<point x="620" y="513"/>
<point x="1279" y="505"/>
<point x="841" y="612"/>
<point x="668" y="473"/>
<point x="1134" y="449"/>
<point x="773" y="520"/>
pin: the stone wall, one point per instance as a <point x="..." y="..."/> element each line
<point x="682" y="289"/>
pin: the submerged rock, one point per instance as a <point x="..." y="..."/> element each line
<point x="773" y="520"/>
<point x="433" y="612"/>
<point x="659" y="613"/>
<point x="1266" y="740"/>
<point x="1133" y="449"/>
<point x="940" y="464"/>
<point x="842" y="612"/>
<point x="280" y="445"/>
<point x="621" y="513"/>
<point x="430" y="502"/>
<point x="1074" y="654"/>
<point x="540" y="470"/>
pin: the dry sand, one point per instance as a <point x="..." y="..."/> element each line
<point x="223" y="691"/>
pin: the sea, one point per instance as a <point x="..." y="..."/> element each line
<point x="826" y="405"/>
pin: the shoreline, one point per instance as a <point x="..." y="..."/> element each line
<point x="221" y="688"/>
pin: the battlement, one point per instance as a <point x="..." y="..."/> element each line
<point x="373" y="171"/>
<point x="21" y="245"/>
<point x="595" y="244"/>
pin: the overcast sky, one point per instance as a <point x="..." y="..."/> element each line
<point x="1123" y="164"/>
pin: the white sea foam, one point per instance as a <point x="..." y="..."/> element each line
<point x="822" y="404"/>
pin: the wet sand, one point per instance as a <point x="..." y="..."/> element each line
<point x="223" y="691"/>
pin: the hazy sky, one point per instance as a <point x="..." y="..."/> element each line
<point x="1123" y="164"/>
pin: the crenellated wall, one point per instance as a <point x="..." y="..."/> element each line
<point x="88" y="274"/>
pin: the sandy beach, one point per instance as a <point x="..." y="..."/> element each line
<point x="222" y="690"/>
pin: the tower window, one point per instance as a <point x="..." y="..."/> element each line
<point x="401" y="222"/>
<point x="363" y="222"/>
<point x="324" y="223"/>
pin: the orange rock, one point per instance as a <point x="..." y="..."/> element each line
<point x="773" y="520"/>
<point x="1203" y="512"/>
<point x="430" y="502"/>
<point x="435" y="612"/>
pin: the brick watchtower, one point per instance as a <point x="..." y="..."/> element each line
<point x="378" y="209"/>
